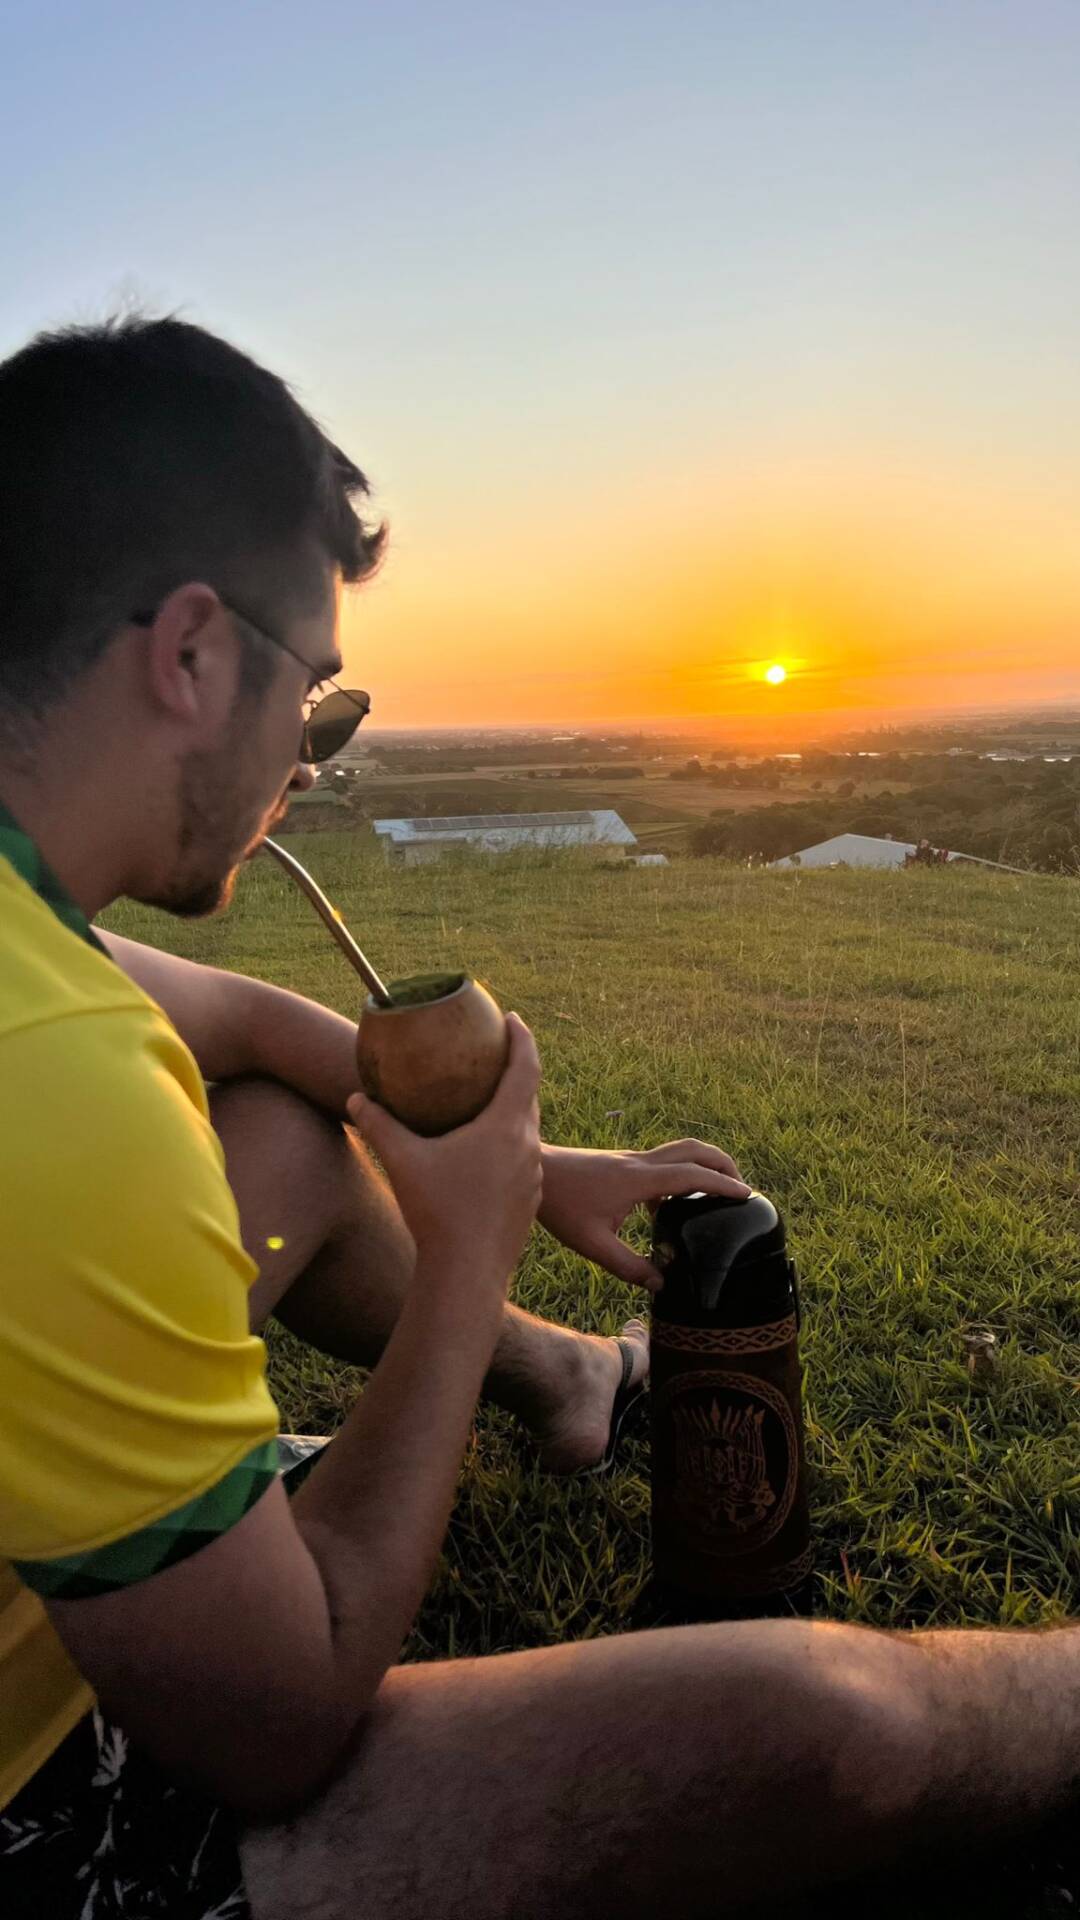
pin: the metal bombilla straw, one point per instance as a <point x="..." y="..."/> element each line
<point x="333" y="923"/>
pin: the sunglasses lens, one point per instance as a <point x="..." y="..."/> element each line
<point x="333" y="722"/>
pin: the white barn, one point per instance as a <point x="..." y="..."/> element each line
<point x="851" y="850"/>
<point x="415" y="841"/>
<point x="863" y="850"/>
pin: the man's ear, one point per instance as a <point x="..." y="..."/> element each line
<point x="186" y="649"/>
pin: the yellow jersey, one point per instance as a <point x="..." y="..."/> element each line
<point x="135" y="1418"/>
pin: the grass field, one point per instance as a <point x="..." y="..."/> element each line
<point x="895" y="1058"/>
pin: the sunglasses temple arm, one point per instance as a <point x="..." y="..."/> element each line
<point x="332" y="920"/>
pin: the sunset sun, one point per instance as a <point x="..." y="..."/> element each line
<point x="776" y="675"/>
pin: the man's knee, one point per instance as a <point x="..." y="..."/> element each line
<point x="852" y="1721"/>
<point x="264" y="1123"/>
<point x="288" y="1165"/>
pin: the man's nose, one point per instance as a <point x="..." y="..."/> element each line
<point x="303" y="778"/>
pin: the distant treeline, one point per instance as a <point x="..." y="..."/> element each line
<point x="1024" y="812"/>
<point x="1048" y="731"/>
<point x="477" y="755"/>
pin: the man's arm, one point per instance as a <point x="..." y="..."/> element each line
<point x="247" y="1666"/>
<point x="235" y="1025"/>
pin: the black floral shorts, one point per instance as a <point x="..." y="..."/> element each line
<point x="100" y="1833"/>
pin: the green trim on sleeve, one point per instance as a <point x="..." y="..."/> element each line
<point x="124" y="1563"/>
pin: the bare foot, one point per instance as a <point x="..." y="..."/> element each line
<point x="571" y="1429"/>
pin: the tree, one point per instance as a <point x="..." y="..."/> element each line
<point x="711" y="836"/>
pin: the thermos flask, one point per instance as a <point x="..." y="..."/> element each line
<point x="730" y="1522"/>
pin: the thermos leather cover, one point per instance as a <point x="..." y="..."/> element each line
<point x="731" y="1531"/>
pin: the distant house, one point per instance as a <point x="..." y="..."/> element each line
<point x="414" y="841"/>
<point x="851" y="850"/>
<point x="862" y="850"/>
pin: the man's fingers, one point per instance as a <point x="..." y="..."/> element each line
<point x="697" y="1151"/>
<point x="665" y="1179"/>
<point x="521" y="1074"/>
<point x="613" y="1254"/>
<point x="379" y="1129"/>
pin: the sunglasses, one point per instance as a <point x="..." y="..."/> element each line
<point x="330" y="721"/>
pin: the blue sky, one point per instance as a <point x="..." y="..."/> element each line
<point x="550" y="273"/>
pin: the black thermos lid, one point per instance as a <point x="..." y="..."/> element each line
<point x="703" y="1241"/>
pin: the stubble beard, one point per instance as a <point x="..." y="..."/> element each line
<point x="220" y="829"/>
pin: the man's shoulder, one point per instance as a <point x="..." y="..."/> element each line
<point x="92" y="1046"/>
<point x="48" y="973"/>
<point x="100" y="1090"/>
<point x="104" y="1106"/>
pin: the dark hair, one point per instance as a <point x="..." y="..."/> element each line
<point x="140" y="453"/>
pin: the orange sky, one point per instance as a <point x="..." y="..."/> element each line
<point x="671" y="336"/>
<point x="899" y="589"/>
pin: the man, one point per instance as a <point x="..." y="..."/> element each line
<point x="174" y="534"/>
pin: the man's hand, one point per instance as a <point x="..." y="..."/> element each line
<point x="473" y="1192"/>
<point x="589" y="1194"/>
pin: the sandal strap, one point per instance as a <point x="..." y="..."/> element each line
<point x="626" y="1348"/>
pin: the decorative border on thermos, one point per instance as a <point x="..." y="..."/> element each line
<point x="742" y="1340"/>
<point x="796" y="1571"/>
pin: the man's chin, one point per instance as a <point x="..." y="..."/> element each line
<point x="197" y="903"/>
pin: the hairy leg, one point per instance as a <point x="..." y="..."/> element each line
<point x="335" y="1260"/>
<point x="692" y="1771"/>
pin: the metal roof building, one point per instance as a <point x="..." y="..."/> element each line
<point x="413" y="841"/>
<point x="863" y="850"/>
<point x="851" y="850"/>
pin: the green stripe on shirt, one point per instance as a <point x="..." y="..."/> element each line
<point x="80" y="1576"/>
